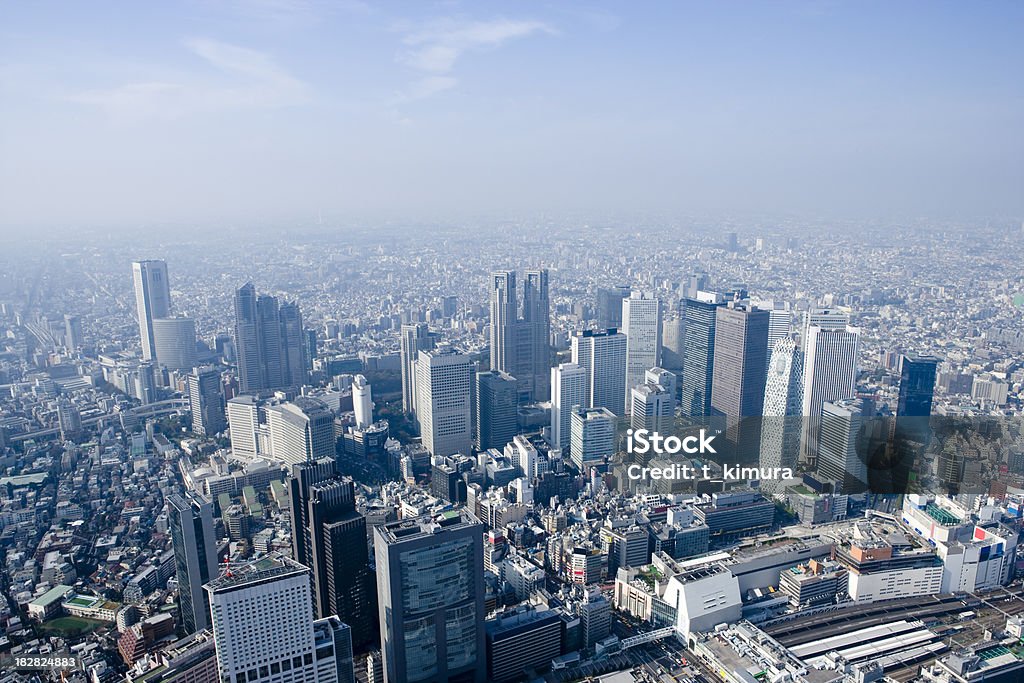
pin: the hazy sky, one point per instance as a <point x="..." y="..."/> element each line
<point x="123" y="113"/>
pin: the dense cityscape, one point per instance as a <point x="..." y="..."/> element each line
<point x="399" y="453"/>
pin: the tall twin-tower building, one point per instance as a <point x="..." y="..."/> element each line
<point x="521" y="336"/>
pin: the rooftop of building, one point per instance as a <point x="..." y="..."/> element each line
<point x="426" y="525"/>
<point x="271" y="567"/>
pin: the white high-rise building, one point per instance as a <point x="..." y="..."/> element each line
<point x="152" y="300"/>
<point x="780" y="321"/>
<point x="301" y="431"/>
<point x="592" y="437"/>
<point x="830" y="373"/>
<point x="443" y="401"/>
<point x="664" y="378"/>
<point x="175" y="342"/>
<point x="652" y="407"/>
<point x="523" y="456"/>
<point x="243" y="423"/>
<point x="264" y="630"/>
<point x="362" y="402"/>
<point x="783" y="402"/>
<point x="603" y="355"/>
<point x="826" y="319"/>
<point x="568" y="389"/>
<point x="641" y="323"/>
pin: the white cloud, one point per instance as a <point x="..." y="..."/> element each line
<point x="437" y="47"/>
<point x="244" y="78"/>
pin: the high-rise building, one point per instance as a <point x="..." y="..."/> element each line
<point x="652" y="408"/>
<point x="69" y="419"/>
<point x="917" y="386"/>
<point x="602" y="354"/>
<point x="780" y="321"/>
<point x="269" y="342"/>
<point x="783" y="402"/>
<point x="521" y="346"/>
<point x="206" y="401"/>
<point x="190" y="520"/>
<point x="243" y="422"/>
<point x="449" y="306"/>
<point x="415" y="337"/>
<point x="672" y="350"/>
<point x="536" y="325"/>
<point x="329" y="537"/>
<point x="175" y="342"/>
<point x="641" y="323"/>
<point x="430" y="588"/>
<point x="504" y="302"/>
<point x="293" y="345"/>
<point x="838" y="457"/>
<point x="152" y="300"/>
<point x="443" y="401"/>
<point x="830" y="371"/>
<point x="301" y="479"/>
<point x="609" y="306"/>
<point x="697" y="282"/>
<point x="568" y="389"/>
<point x="264" y="630"/>
<point x="591" y="436"/>
<point x="738" y="373"/>
<point x="362" y="402"/>
<point x="699" y="318"/>
<point x="73" y="337"/>
<point x="301" y="431"/>
<point x="520" y="640"/>
<point x="496" y="409"/>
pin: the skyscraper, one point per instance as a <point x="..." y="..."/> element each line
<point x="175" y="342"/>
<point x="503" y="321"/>
<point x="830" y="372"/>
<point x="269" y="342"/>
<point x="206" y="401"/>
<point x="73" y="337"/>
<point x="592" y="436"/>
<point x="293" y="345"/>
<point x="783" y="401"/>
<point x="332" y="542"/>
<point x="264" y="630"/>
<point x="738" y="367"/>
<point x="496" y="409"/>
<point x="699" y="316"/>
<point x="430" y="589"/>
<point x="917" y="386"/>
<point x="641" y="323"/>
<point x="568" y="389"/>
<point x="521" y="346"/>
<point x="301" y="431"/>
<point x="362" y="402"/>
<point x="537" y="325"/>
<point x="152" y="300"/>
<point x="602" y="354"/>
<point x="443" y="401"/>
<point x="243" y="421"/>
<point x="838" y="458"/>
<point x="653" y="408"/>
<point x="415" y="337"/>
<point x="190" y="520"/>
<point x="609" y="306"/>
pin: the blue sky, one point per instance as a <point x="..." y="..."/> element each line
<point x="124" y="113"/>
